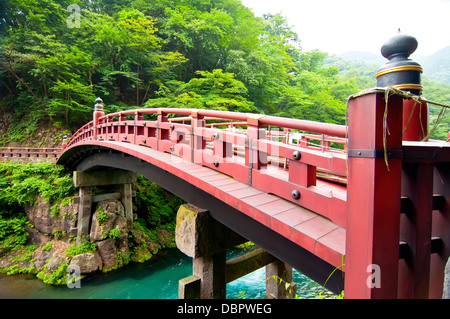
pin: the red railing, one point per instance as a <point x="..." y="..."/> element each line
<point x="29" y="152"/>
<point x="262" y="151"/>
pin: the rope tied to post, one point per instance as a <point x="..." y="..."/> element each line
<point x="390" y="91"/>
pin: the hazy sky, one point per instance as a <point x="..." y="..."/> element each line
<point x="337" y="26"/>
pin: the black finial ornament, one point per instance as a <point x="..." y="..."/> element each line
<point x="400" y="72"/>
<point x="99" y="104"/>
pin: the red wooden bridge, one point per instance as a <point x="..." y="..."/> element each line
<point x="353" y="207"/>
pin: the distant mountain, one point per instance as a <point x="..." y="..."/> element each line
<point x="436" y="66"/>
<point x="361" y="56"/>
<point x="361" y="67"/>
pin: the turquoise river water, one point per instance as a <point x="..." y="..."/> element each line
<point x="156" y="279"/>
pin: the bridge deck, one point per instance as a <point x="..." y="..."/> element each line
<point x="309" y="230"/>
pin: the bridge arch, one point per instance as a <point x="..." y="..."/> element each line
<point x="198" y="188"/>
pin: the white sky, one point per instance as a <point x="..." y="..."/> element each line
<point x="337" y="26"/>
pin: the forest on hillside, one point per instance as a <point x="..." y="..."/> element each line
<point x="57" y="56"/>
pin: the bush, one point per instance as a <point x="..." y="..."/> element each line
<point x="114" y="233"/>
<point x="102" y="217"/>
<point x="156" y="205"/>
<point x="85" y="247"/>
<point x="58" y="277"/>
<point x="12" y="231"/>
<point x="22" y="184"/>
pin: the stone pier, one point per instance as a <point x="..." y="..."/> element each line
<point x="201" y="237"/>
<point x="121" y="182"/>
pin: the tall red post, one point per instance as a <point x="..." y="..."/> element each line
<point x="98" y="112"/>
<point x="373" y="196"/>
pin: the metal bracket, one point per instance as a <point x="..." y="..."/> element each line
<point x="375" y="153"/>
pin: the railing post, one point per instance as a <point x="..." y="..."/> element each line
<point x="254" y="158"/>
<point x="161" y="133"/>
<point x="64" y="143"/>
<point x="373" y="197"/>
<point x="198" y="143"/>
<point x="98" y="112"/>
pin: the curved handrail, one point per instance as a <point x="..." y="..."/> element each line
<point x="284" y="122"/>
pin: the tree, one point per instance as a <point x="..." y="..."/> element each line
<point x="213" y="90"/>
<point x="202" y="37"/>
<point x="117" y="56"/>
<point x="201" y="53"/>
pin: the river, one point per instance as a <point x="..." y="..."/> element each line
<point x="156" y="279"/>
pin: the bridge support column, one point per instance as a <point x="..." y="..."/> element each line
<point x="373" y="197"/>
<point x="84" y="213"/>
<point x="278" y="275"/>
<point x="127" y="199"/>
<point x="211" y="271"/>
<point x="86" y="181"/>
<point x="204" y="239"/>
<point x="201" y="237"/>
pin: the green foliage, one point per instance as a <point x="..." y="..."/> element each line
<point x="58" y="277"/>
<point x="195" y="54"/>
<point x="85" y="247"/>
<point x="437" y="92"/>
<point x="122" y="260"/>
<point x="157" y="206"/>
<point x="141" y="225"/>
<point x="114" y="233"/>
<point x="437" y="66"/>
<point x="21" y="184"/>
<point x="12" y="231"/>
<point x="16" y="269"/>
<point x="22" y="262"/>
<point x="116" y="55"/>
<point x="213" y="90"/>
<point x="167" y="53"/>
<point x="139" y="250"/>
<point x="102" y="217"/>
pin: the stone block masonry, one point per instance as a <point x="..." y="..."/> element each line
<point x="201" y="237"/>
<point x="85" y="181"/>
